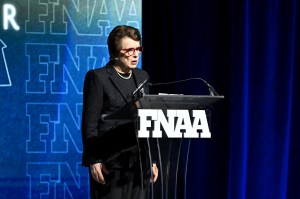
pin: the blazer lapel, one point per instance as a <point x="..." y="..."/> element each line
<point x="117" y="81"/>
<point x="137" y="78"/>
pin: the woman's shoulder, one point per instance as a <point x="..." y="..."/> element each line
<point x="97" y="74"/>
<point x="102" y="69"/>
<point x="97" y="71"/>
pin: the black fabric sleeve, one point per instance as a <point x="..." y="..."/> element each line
<point x="92" y="105"/>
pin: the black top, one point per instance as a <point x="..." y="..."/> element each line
<point x="128" y="84"/>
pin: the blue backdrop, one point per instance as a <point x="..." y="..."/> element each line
<point x="46" y="49"/>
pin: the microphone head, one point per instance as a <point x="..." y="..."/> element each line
<point x="149" y="84"/>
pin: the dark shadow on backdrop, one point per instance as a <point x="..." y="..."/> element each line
<point x="186" y="40"/>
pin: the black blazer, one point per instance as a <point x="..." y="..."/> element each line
<point x="103" y="93"/>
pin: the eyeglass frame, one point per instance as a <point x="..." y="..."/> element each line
<point x="140" y="49"/>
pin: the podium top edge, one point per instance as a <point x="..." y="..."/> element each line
<point x="187" y="96"/>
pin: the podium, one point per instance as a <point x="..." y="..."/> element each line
<point x="170" y="154"/>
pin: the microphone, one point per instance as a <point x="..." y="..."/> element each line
<point x="211" y="89"/>
<point x="141" y="85"/>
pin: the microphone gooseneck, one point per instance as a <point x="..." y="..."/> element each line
<point x="211" y="89"/>
<point x="141" y="85"/>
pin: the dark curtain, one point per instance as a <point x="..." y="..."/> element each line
<point x="249" y="51"/>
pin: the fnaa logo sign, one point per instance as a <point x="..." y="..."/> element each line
<point x="176" y="123"/>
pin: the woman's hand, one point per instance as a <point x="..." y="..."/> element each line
<point x="97" y="171"/>
<point x="154" y="172"/>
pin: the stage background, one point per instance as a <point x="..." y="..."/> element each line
<point x="249" y="51"/>
<point x="42" y="68"/>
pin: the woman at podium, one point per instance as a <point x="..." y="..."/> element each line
<point x="115" y="169"/>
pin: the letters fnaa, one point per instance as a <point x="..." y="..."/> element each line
<point x="175" y="123"/>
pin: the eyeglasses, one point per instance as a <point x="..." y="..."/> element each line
<point x="131" y="51"/>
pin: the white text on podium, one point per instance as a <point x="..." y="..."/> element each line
<point x="176" y="123"/>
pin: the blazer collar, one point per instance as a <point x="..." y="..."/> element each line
<point x="112" y="73"/>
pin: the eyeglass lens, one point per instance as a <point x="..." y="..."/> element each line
<point x="132" y="50"/>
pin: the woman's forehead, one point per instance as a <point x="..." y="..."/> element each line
<point x="127" y="42"/>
